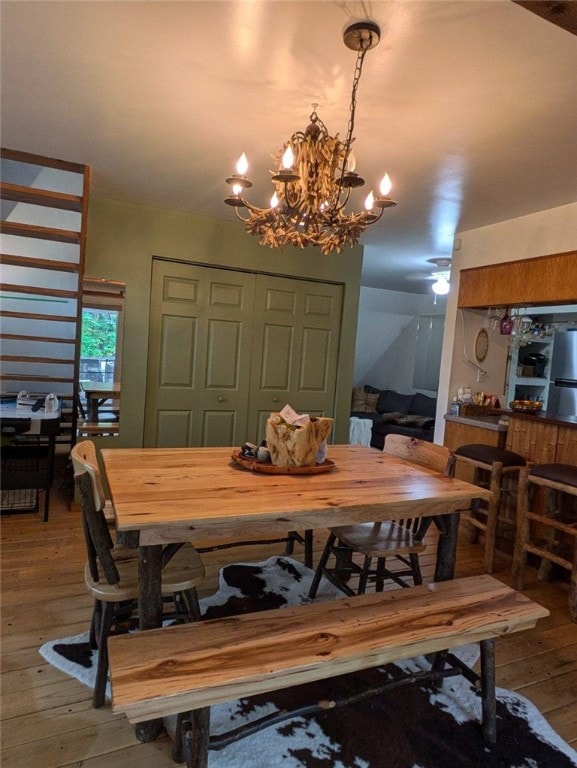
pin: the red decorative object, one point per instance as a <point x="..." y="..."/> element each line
<point x="506" y="324"/>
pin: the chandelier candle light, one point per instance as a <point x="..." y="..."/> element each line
<point x="314" y="179"/>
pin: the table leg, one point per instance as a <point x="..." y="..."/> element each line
<point x="149" y="615"/>
<point x="447" y="547"/>
<point x="92" y="407"/>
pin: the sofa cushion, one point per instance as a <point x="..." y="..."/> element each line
<point x="372" y="390"/>
<point x="363" y="402"/>
<point x="425" y="405"/>
<point x="390" y="401"/>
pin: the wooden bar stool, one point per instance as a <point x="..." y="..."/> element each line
<point x="491" y="466"/>
<point x="548" y="530"/>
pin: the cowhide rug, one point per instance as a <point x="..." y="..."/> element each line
<point x="408" y="727"/>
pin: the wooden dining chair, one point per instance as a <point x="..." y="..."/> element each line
<point x="111" y="577"/>
<point x="402" y="540"/>
<point x="84" y="459"/>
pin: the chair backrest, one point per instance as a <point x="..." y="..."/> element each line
<point x="96" y="534"/>
<point x="421" y="452"/>
<point x="84" y="459"/>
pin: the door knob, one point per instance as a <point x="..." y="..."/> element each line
<point x="275" y="399"/>
<point x="221" y="399"/>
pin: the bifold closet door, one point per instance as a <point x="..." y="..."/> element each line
<point x="199" y="356"/>
<point x="226" y="348"/>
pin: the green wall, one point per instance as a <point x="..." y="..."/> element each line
<point x="122" y="239"/>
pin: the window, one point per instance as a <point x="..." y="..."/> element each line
<point x="100" y="356"/>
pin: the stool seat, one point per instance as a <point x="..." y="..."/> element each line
<point x="488" y="454"/>
<point x="566" y="474"/>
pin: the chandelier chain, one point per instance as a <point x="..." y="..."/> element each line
<point x="365" y="45"/>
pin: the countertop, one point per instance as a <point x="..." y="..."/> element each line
<point x="493" y="421"/>
<point x="497" y="421"/>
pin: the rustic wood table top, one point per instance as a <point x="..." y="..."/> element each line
<point x="187" y="494"/>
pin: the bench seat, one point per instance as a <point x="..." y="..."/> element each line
<point x="188" y="667"/>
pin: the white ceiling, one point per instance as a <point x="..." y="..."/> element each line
<point x="471" y="106"/>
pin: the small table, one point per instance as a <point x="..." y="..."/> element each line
<point x="97" y="393"/>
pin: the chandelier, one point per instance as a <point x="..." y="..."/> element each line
<point x="314" y="177"/>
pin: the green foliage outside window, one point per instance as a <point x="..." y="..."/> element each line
<point x="99" y="331"/>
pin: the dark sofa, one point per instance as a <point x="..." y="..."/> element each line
<point x="393" y="413"/>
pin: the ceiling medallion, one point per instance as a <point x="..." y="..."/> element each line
<point x="314" y="178"/>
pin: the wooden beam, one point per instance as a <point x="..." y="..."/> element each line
<point x="561" y="13"/>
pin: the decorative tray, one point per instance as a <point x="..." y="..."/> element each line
<point x="270" y="469"/>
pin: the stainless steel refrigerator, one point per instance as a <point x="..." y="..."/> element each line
<point x="562" y="399"/>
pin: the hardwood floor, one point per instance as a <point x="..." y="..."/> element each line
<point x="47" y="718"/>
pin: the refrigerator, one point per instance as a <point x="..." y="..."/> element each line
<point x="562" y="399"/>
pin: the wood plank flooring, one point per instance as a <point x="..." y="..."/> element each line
<point x="46" y="717"/>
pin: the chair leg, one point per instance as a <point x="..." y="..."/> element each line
<point x="321" y="566"/>
<point x="95" y="623"/>
<point x="191" y="597"/>
<point x="99" y="694"/>
<point x="365" y="575"/>
<point x="416" y="568"/>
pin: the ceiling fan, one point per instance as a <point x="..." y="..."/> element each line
<point x="439" y="274"/>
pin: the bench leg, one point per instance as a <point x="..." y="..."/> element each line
<point x="488" y="690"/>
<point x="194" y="737"/>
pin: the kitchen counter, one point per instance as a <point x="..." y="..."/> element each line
<point x="494" y="422"/>
<point x="545" y="417"/>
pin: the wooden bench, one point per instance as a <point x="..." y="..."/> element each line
<point x="187" y="668"/>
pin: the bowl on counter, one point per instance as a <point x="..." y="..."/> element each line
<point x="526" y="406"/>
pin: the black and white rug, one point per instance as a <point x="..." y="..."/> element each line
<point x="408" y="727"/>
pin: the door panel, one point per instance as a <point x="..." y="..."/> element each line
<point x="296" y="362"/>
<point x="199" y="355"/>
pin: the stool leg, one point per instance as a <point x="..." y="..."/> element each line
<point x="549" y="544"/>
<point x="493" y="516"/>
<point x="522" y="537"/>
<point x="573" y="588"/>
<point x="473" y="535"/>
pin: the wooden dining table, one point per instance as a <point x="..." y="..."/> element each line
<point x="166" y="496"/>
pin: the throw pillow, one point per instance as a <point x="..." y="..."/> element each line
<point x="363" y="402"/>
<point x="391" y="418"/>
<point x="411" y="420"/>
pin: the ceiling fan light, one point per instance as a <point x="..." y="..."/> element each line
<point x="441" y="286"/>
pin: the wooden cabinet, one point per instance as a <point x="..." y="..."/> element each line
<point x="543" y="280"/>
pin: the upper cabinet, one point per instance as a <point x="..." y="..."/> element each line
<point x="43" y="224"/>
<point x="539" y="281"/>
